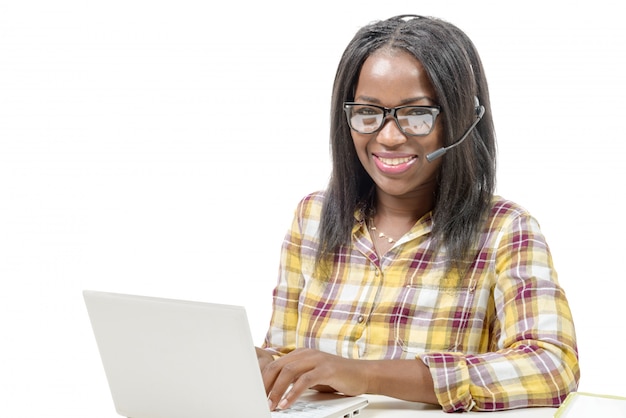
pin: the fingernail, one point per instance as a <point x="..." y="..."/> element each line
<point x="270" y="404"/>
<point x="282" y="404"/>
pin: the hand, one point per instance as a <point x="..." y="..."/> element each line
<point x="311" y="369"/>
<point x="264" y="357"/>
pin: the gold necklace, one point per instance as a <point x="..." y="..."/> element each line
<point x="380" y="233"/>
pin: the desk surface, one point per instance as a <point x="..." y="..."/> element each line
<point x="382" y="406"/>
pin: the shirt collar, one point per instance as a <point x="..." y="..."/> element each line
<point x="422" y="227"/>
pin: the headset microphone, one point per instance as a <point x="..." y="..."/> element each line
<point x="480" y="111"/>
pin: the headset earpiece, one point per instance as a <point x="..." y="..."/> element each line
<point x="477" y="106"/>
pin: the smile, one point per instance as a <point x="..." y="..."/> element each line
<point x="395" y="161"/>
<point x="394" y="165"/>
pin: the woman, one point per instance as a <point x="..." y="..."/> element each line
<point x="407" y="276"/>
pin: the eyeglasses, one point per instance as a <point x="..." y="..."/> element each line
<point x="411" y="120"/>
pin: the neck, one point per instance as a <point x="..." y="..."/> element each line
<point x="395" y="216"/>
<point x="403" y="208"/>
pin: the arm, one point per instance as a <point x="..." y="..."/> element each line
<point x="306" y="368"/>
<point x="281" y="335"/>
<point x="533" y="357"/>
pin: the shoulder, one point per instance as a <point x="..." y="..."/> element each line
<point x="312" y="201"/>
<point x="315" y="198"/>
<point x="309" y="208"/>
<point x="508" y="215"/>
<point x="306" y="217"/>
<point x="504" y="208"/>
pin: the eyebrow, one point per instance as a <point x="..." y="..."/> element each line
<point x="402" y="102"/>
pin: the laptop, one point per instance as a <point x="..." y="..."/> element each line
<point x="166" y="358"/>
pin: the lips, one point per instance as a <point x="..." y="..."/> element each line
<point x="395" y="161"/>
<point x="394" y="164"/>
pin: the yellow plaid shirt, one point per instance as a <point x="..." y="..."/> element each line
<point x="501" y="337"/>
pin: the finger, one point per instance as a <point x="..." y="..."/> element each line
<point x="264" y="357"/>
<point x="270" y="372"/>
<point x="297" y="388"/>
<point x="288" y="373"/>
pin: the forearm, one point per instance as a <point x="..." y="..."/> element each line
<point x="403" y="379"/>
<point x="529" y="376"/>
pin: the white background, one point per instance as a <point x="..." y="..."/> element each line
<point x="156" y="147"/>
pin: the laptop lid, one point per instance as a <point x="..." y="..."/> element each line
<point x="166" y="358"/>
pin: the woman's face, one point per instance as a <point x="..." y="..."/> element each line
<point x="395" y="161"/>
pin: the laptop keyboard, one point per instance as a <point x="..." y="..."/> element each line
<point x="303" y="409"/>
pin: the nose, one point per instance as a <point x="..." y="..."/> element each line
<point x="390" y="135"/>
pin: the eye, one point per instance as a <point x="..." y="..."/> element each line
<point x="416" y="111"/>
<point x="367" y="111"/>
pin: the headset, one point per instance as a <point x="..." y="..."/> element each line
<point x="480" y="111"/>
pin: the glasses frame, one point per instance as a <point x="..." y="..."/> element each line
<point x="434" y="110"/>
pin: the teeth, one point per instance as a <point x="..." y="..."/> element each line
<point x="395" y="161"/>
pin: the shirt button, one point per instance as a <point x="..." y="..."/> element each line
<point x="360" y="319"/>
<point x="377" y="273"/>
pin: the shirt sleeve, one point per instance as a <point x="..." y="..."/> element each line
<point x="534" y="358"/>
<point x="281" y="335"/>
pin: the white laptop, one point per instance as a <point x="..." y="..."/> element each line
<point x="166" y="358"/>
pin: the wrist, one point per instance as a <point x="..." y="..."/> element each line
<point x="373" y="376"/>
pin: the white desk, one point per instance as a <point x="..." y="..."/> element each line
<point x="385" y="407"/>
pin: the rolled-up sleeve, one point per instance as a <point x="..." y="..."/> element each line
<point x="533" y="360"/>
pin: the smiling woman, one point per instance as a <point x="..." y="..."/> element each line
<point x="393" y="156"/>
<point x="407" y="276"/>
<point x="151" y="146"/>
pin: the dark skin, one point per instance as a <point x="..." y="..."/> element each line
<point x="405" y="184"/>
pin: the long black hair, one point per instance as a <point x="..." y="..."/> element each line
<point x="466" y="181"/>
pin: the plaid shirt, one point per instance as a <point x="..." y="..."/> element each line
<point x="500" y="337"/>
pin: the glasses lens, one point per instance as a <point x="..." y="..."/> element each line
<point x="364" y="119"/>
<point x="416" y="120"/>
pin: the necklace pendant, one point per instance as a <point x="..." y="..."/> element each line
<point x="381" y="234"/>
<point x="389" y="239"/>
